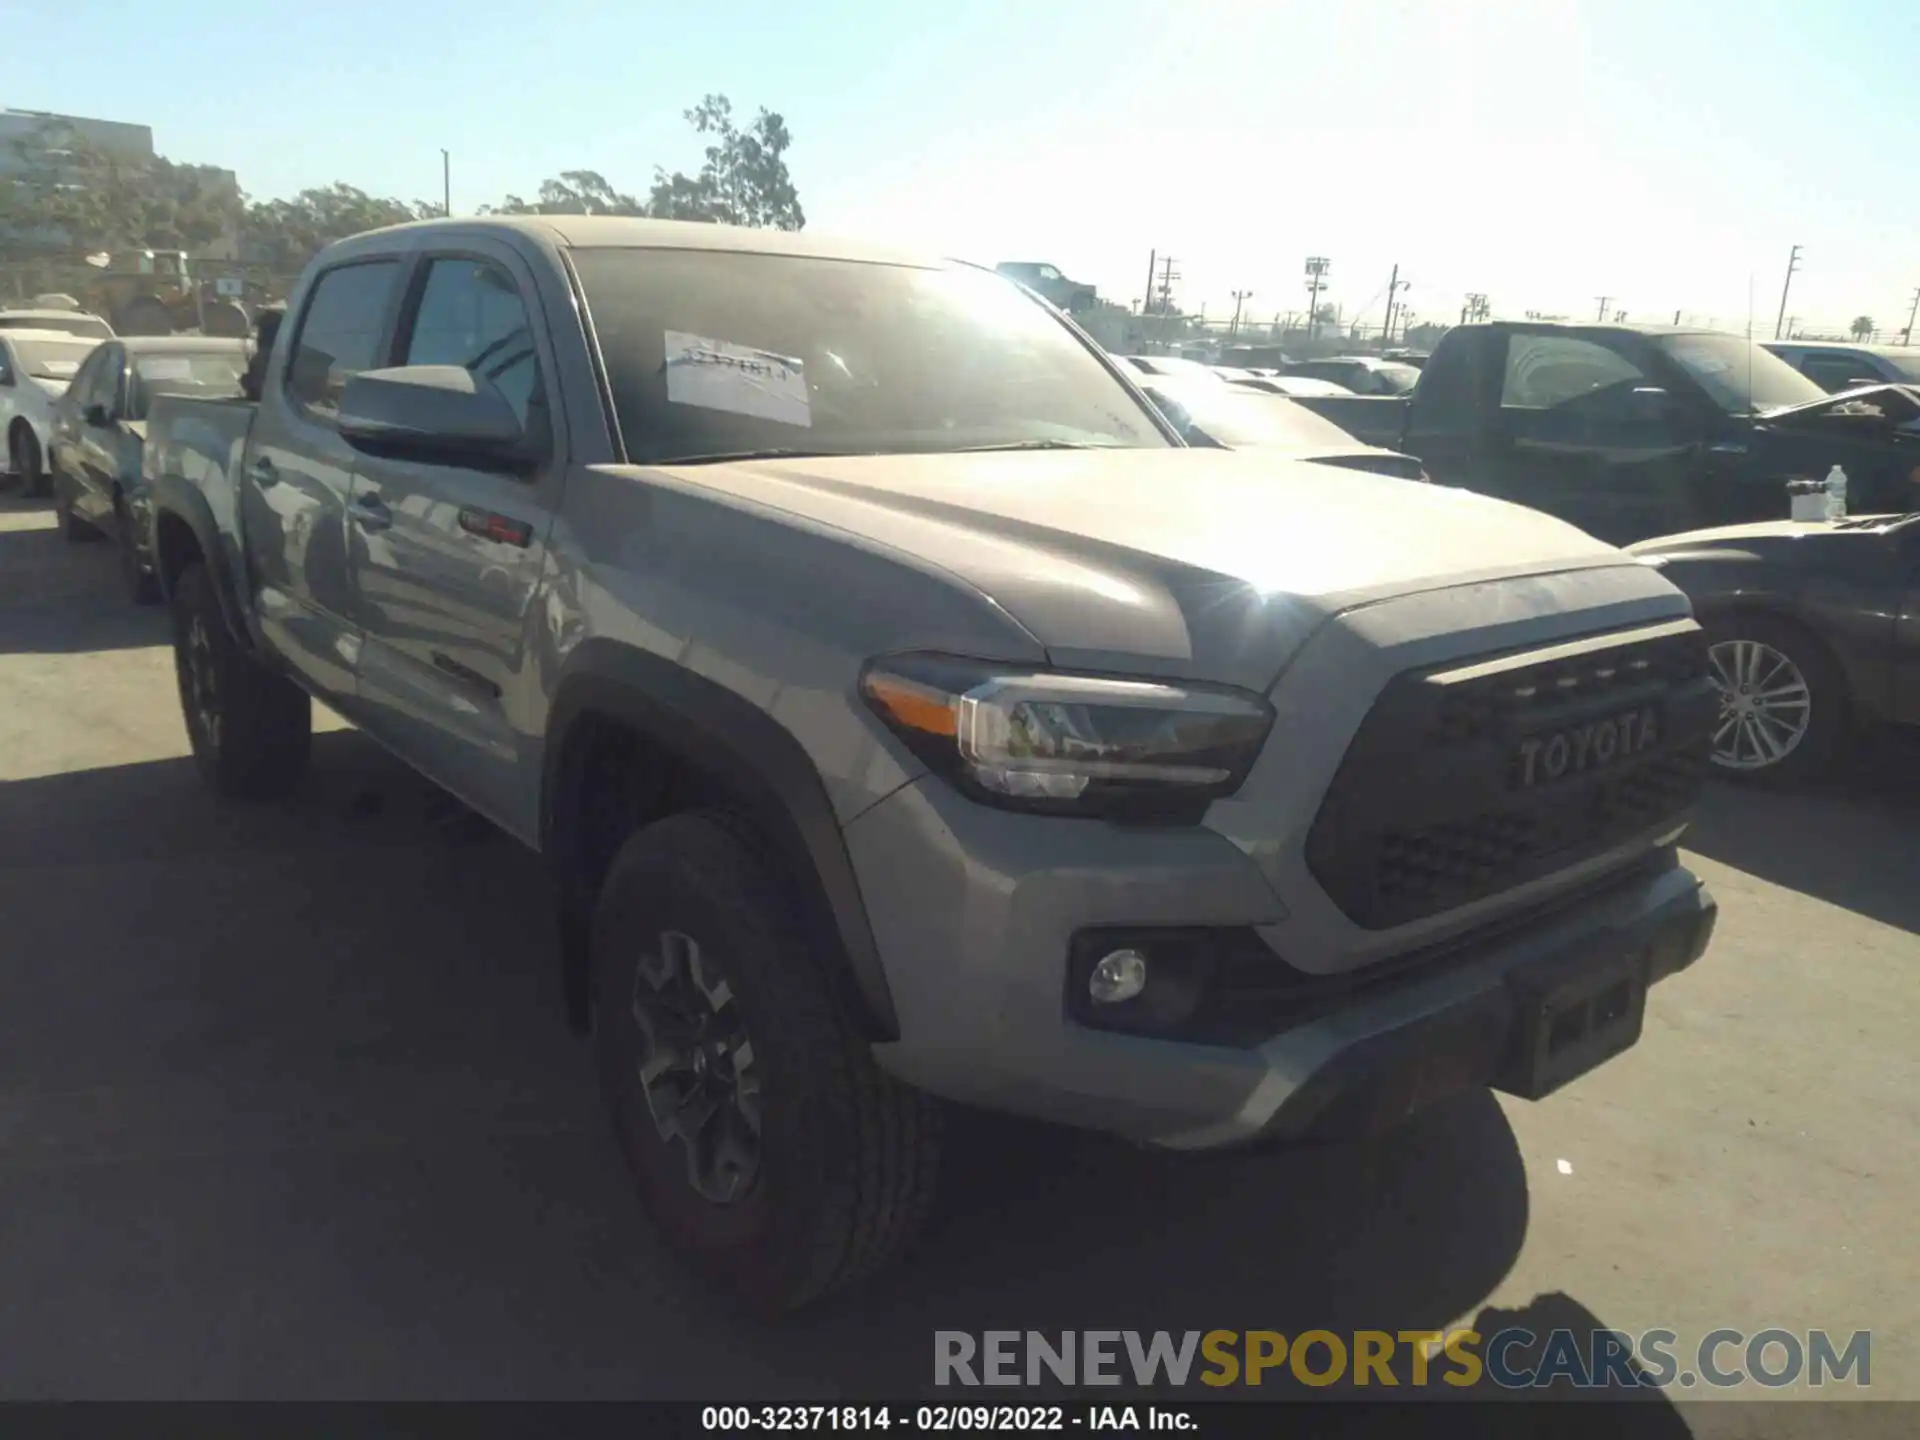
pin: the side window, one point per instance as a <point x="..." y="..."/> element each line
<point x="6" y="366"/>
<point x="1547" y="371"/>
<point x="471" y="315"/>
<point x="339" y="333"/>
<point x="1832" y="370"/>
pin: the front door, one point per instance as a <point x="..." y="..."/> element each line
<point x="94" y="450"/>
<point x="448" y="557"/>
<point x="299" y="473"/>
<point x="1584" y="431"/>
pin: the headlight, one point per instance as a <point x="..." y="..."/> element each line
<point x="1070" y="744"/>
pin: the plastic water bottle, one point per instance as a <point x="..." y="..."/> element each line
<point x="1836" y="494"/>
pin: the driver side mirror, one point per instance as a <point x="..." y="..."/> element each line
<point x="435" y="414"/>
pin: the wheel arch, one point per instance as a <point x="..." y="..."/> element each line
<point x="184" y="531"/>
<point x="733" y="750"/>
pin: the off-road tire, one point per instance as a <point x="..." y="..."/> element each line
<point x="848" y="1154"/>
<point x="259" y="747"/>
<point x="1830" y="718"/>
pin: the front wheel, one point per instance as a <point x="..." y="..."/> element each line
<point x="141" y="585"/>
<point x="23" y="455"/>
<point x="1783" y="699"/>
<point x="250" y="728"/>
<point x="73" y="529"/>
<point x="762" y="1137"/>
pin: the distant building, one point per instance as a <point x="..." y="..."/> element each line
<point x="115" y="137"/>
<point x="118" y="138"/>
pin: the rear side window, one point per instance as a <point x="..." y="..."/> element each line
<point x="1836" y="371"/>
<point x="1544" y="371"/>
<point x="340" y="332"/>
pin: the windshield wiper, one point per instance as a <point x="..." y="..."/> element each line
<point x="724" y="457"/>
<point x="1030" y="445"/>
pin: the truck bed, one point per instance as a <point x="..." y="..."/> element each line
<point x="200" y="443"/>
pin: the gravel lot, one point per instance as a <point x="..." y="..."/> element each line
<point x="287" y="1109"/>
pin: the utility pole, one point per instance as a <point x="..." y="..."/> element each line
<point x="1676" y="317"/>
<point x="446" y="184"/>
<point x="1394" y="288"/>
<point x="1167" y="276"/>
<point x="1793" y="264"/>
<point x="1603" y="308"/>
<point x="1906" y="336"/>
<point x="1153" y="268"/>
<point x="1317" y="266"/>
<point x="1239" y="296"/>
<point x="1474" y="309"/>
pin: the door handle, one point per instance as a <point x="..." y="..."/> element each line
<point x="370" y="512"/>
<point x="263" y="472"/>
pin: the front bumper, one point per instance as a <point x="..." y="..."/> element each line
<point x="976" y="916"/>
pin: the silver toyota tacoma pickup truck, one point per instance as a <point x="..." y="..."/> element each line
<point x="906" y="716"/>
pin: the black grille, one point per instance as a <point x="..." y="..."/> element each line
<point x="1466" y="781"/>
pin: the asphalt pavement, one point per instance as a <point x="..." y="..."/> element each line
<point x="288" y="1110"/>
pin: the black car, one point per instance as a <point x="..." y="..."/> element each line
<point x="1814" y="631"/>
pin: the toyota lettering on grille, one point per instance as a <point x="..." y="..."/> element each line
<point x="1579" y="748"/>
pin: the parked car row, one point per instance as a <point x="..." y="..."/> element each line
<point x="74" y="408"/>
<point x="1681" y="444"/>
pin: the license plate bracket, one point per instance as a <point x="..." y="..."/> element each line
<point x="1572" y="1017"/>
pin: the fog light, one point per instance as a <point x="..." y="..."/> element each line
<point x="1119" y="975"/>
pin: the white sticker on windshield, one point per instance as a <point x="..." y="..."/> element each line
<point x="717" y="375"/>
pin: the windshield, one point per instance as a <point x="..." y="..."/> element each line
<point x="1239" y="418"/>
<point x="52" y="359"/>
<point x="723" y="352"/>
<point x="1907" y="367"/>
<point x="211" y="374"/>
<point x="1741" y="377"/>
<point x="88" y="325"/>
<point x="1399" y="379"/>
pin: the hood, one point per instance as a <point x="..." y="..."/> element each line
<point x="53" y="387"/>
<point x="1764" y="530"/>
<point x="1901" y="404"/>
<point x="1204" y="563"/>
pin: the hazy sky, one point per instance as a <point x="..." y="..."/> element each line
<point x="1546" y="153"/>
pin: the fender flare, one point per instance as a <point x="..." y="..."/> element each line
<point x="754" y="757"/>
<point x="175" y="498"/>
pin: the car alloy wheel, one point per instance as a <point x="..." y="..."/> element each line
<point x="696" y="1067"/>
<point x="1766" y="706"/>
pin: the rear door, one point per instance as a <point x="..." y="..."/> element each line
<point x="1586" y="431"/>
<point x="447" y="558"/>
<point x="298" y="473"/>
